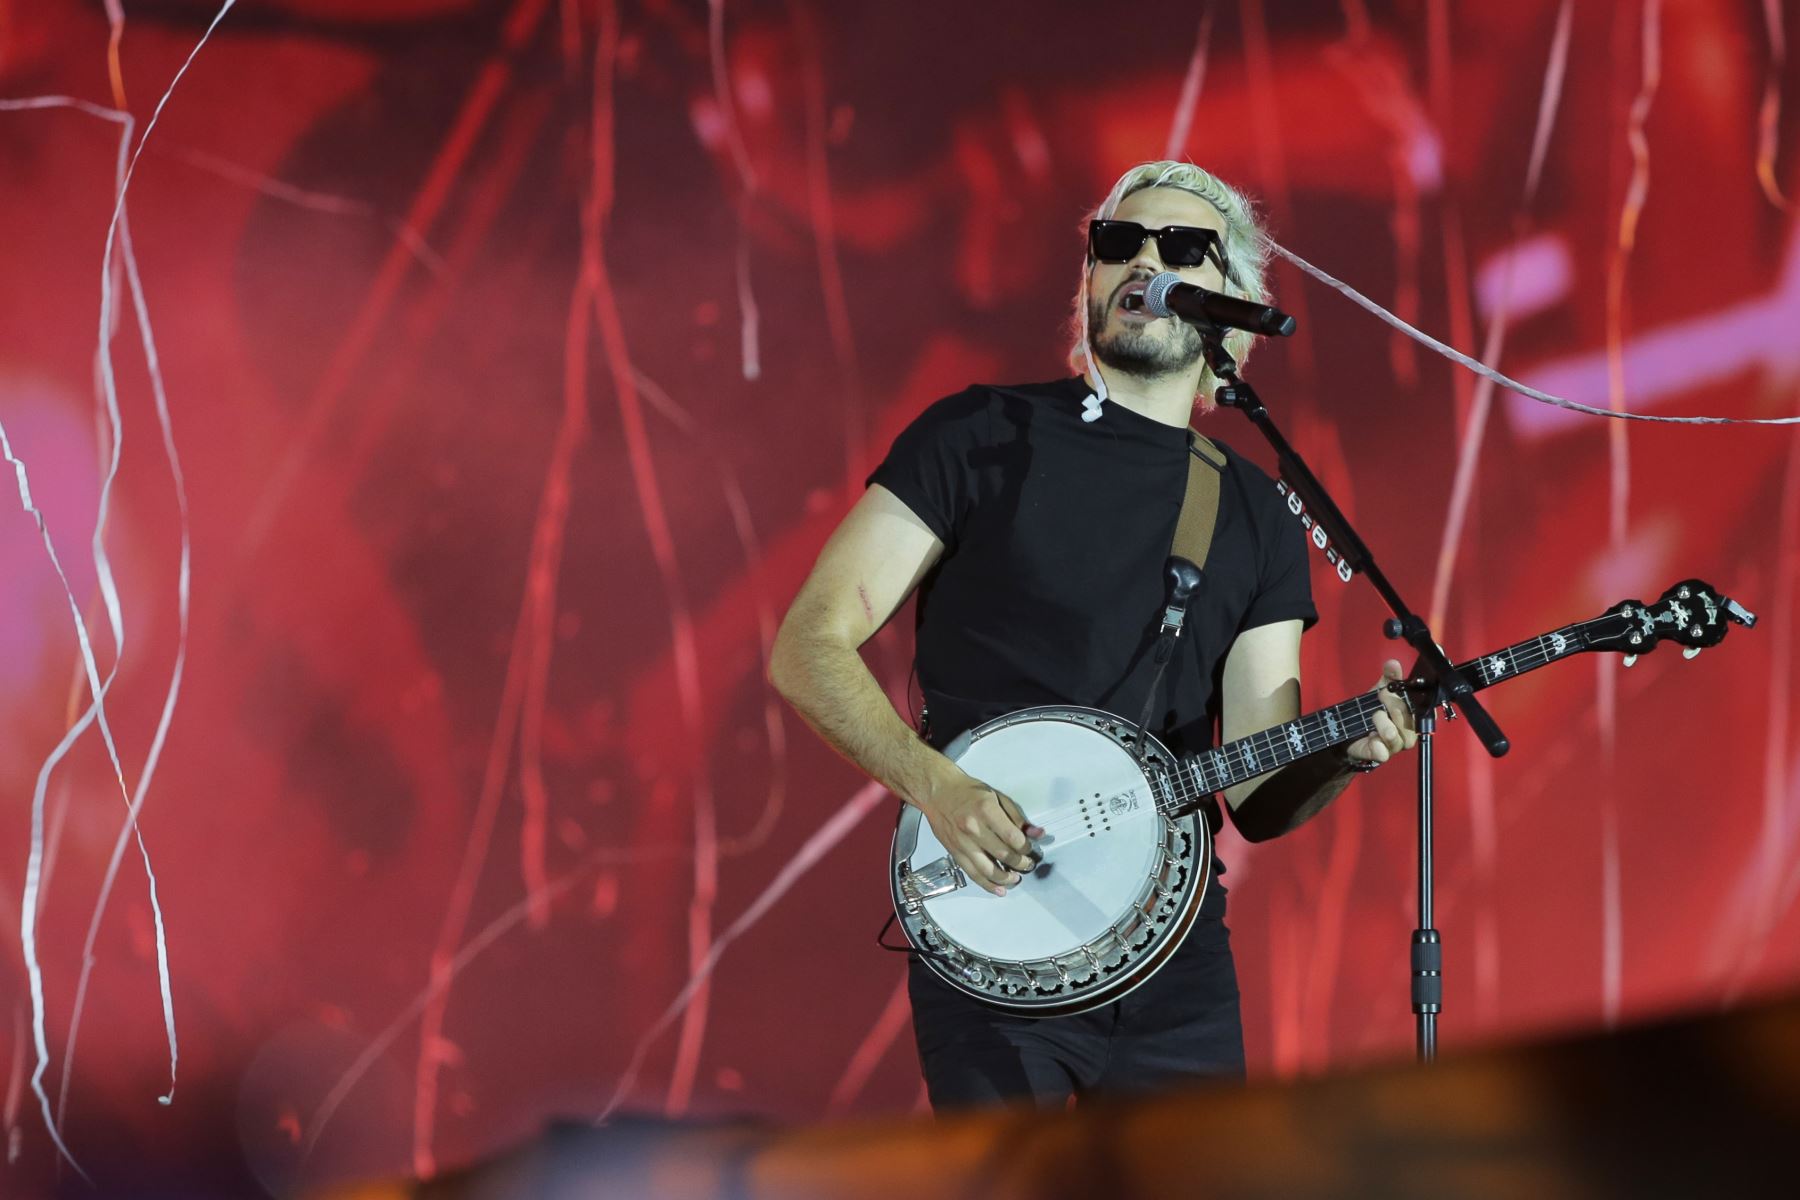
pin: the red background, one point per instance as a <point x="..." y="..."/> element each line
<point x="495" y="500"/>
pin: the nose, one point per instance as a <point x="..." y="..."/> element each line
<point x="1147" y="258"/>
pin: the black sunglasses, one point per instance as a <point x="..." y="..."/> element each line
<point x="1177" y="245"/>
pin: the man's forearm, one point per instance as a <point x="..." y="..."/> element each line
<point x="1291" y="796"/>
<point x="833" y="691"/>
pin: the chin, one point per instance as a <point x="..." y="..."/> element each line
<point x="1138" y="357"/>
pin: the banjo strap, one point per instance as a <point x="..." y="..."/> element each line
<point x="1193" y="541"/>
<point x="1200" y="507"/>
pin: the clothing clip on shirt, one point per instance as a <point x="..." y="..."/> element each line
<point x="1090" y="409"/>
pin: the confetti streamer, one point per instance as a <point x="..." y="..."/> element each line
<point x="1550" y="97"/>
<point x="519" y="716"/>
<point x="118" y="228"/>
<point x="1612" y="949"/>
<point x="1191" y="83"/>
<point x="1768" y="124"/>
<point x="109" y="593"/>
<point x="115" y="71"/>
<point x="1456" y="258"/>
<point x="1482" y="369"/>
<point x="153" y="363"/>
<point x="462" y="892"/>
<point x="314" y="201"/>
<point x="34" y="863"/>
<point x="482" y="99"/>
<point x="721" y="81"/>
<point x="15" y="1085"/>
<point x="1271" y="151"/>
<point x="1635" y="195"/>
<point x="539" y="613"/>
<point x="464" y="956"/>
<point x="1415" y="162"/>
<point x="834" y="830"/>
<point x="749" y="314"/>
<point x="440" y="981"/>
<point x="868" y="1054"/>
<point x="1462" y="486"/>
<point x="1394" y="103"/>
<point x="822" y="218"/>
<point x="775" y="731"/>
<point x="662" y="542"/>
<point x="526" y="669"/>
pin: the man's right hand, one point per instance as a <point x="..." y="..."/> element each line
<point x="984" y="831"/>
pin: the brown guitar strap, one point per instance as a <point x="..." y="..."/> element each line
<point x="1193" y="541"/>
<point x="1200" y="507"/>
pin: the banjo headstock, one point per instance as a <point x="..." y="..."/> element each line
<point x="1691" y="614"/>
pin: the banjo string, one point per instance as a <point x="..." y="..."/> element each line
<point x="1068" y="817"/>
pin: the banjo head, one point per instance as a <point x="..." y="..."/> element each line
<point x="1118" y="884"/>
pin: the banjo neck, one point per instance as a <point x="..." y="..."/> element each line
<point x="1196" y="776"/>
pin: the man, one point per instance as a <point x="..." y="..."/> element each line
<point x="1036" y="521"/>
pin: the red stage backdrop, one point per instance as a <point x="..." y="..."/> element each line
<point x="518" y="357"/>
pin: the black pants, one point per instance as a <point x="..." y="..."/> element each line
<point x="1180" y="1026"/>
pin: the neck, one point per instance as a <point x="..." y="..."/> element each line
<point x="1167" y="398"/>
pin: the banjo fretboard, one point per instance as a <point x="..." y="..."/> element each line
<point x="1225" y="766"/>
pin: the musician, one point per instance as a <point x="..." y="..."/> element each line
<point x="1035" y="522"/>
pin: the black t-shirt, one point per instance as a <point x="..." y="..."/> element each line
<point x="1056" y="531"/>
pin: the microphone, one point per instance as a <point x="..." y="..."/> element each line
<point x="1167" y="296"/>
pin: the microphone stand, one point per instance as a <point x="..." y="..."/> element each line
<point x="1433" y="682"/>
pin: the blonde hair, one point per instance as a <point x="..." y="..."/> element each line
<point x="1245" y="250"/>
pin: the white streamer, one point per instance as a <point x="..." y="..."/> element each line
<point x="96" y="712"/>
<point x="154" y="366"/>
<point x="34" y="863"/>
<point x="1486" y="372"/>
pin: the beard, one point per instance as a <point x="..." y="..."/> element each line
<point x="1145" y="350"/>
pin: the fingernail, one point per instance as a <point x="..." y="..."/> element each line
<point x="999" y="891"/>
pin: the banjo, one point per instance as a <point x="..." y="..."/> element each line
<point x="1126" y="854"/>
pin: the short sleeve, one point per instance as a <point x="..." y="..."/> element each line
<point x="927" y="467"/>
<point x="1284" y="570"/>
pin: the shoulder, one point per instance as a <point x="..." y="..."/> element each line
<point x="981" y="398"/>
<point x="1263" y="501"/>
<point x="980" y="408"/>
<point x="1256" y="485"/>
<point x="969" y="403"/>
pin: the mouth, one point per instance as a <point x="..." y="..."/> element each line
<point x="1131" y="299"/>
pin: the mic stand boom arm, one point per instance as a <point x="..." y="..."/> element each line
<point x="1438" y="675"/>
<point x="1433" y="682"/>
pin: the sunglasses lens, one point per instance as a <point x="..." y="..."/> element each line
<point x="1184" y="247"/>
<point x="1115" y="241"/>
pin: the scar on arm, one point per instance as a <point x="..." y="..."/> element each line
<point x="862" y="593"/>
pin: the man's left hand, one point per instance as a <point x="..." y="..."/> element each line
<point x="1395" y="729"/>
